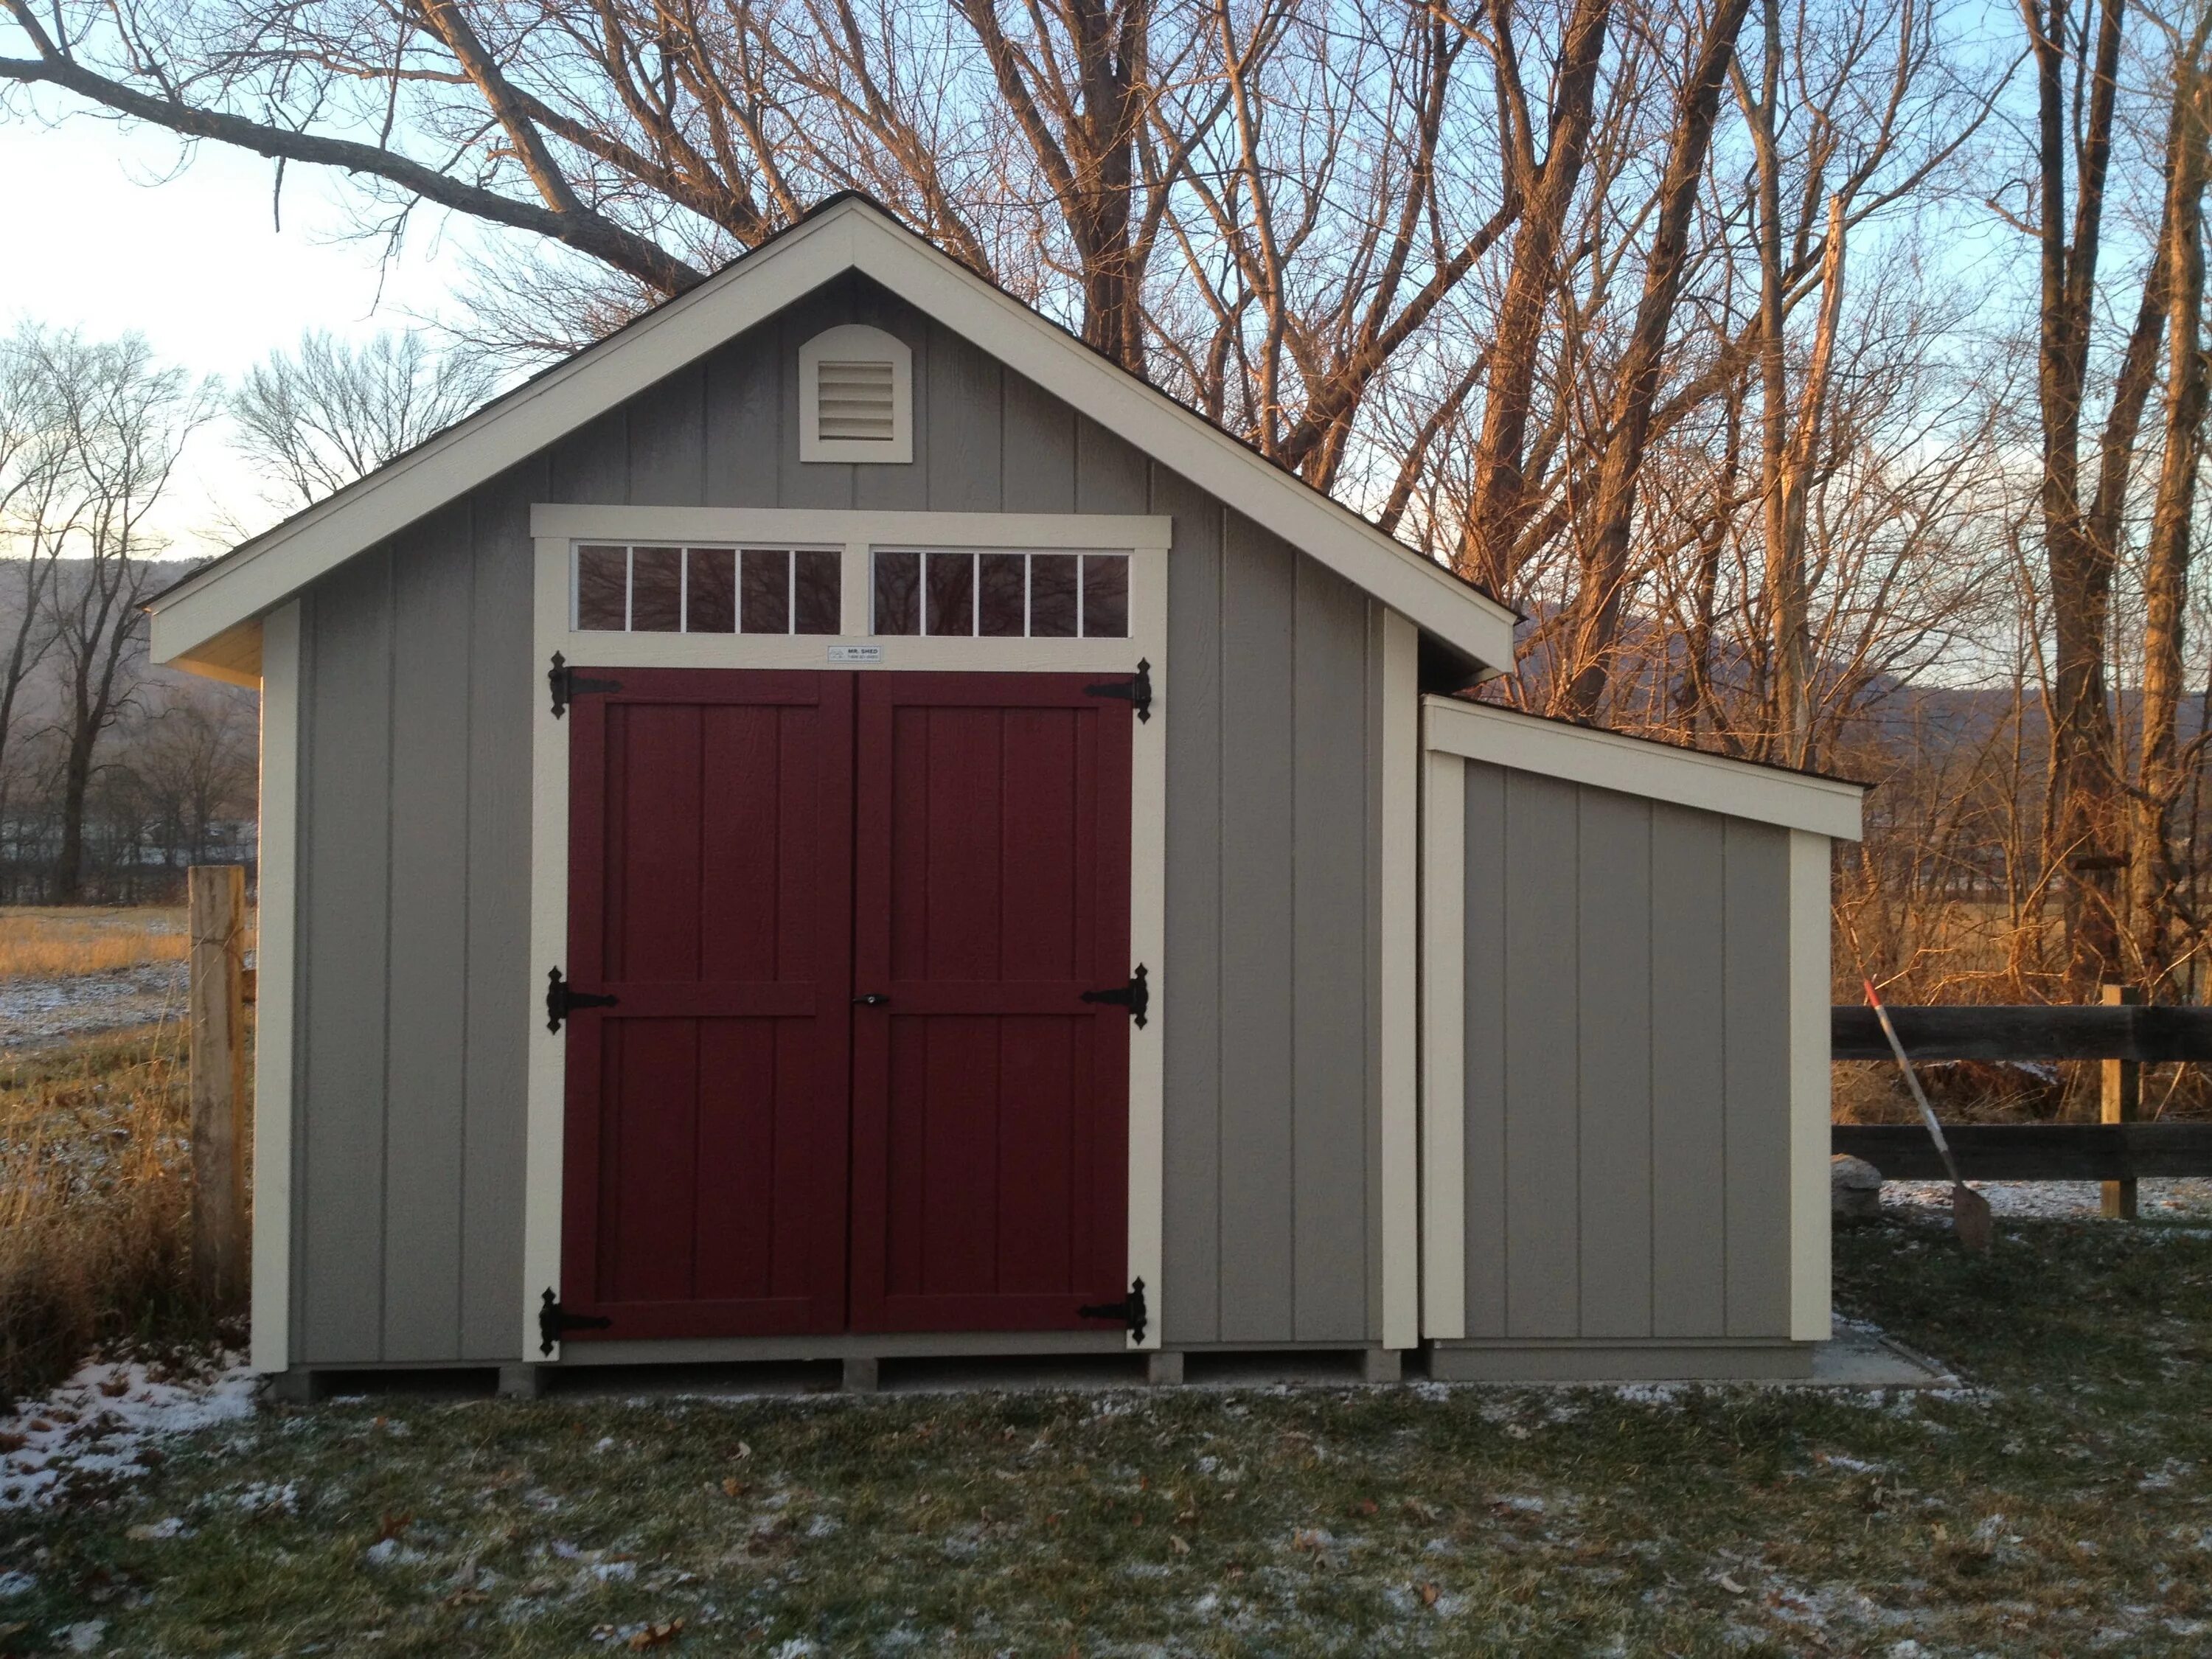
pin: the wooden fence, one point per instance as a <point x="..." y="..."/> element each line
<point x="2118" y="1151"/>
<point x="221" y="986"/>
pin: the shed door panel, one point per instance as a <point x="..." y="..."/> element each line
<point x="990" y="1101"/>
<point x="710" y="859"/>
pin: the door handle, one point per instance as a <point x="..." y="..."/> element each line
<point x="873" y="999"/>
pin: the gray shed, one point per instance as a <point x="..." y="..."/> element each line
<point x="837" y="823"/>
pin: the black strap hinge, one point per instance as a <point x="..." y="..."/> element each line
<point x="1136" y="996"/>
<point x="560" y="1001"/>
<point x="555" y="1321"/>
<point x="1130" y="1313"/>
<point x="567" y="684"/>
<point x="1139" y="690"/>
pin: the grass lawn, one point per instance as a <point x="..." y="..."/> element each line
<point x="2059" y="1506"/>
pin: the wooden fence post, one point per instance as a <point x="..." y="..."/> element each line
<point x="2122" y="1095"/>
<point x="217" y="896"/>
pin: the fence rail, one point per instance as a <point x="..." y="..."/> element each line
<point x="2122" y="1033"/>
<point x="2033" y="1151"/>
<point x="2117" y="1031"/>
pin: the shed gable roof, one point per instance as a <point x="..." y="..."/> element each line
<point x="198" y="622"/>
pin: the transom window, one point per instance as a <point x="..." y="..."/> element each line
<point x="707" y="590"/>
<point x="1002" y="595"/>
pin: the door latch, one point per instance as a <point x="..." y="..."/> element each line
<point x="1136" y="996"/>
<point x="1131" y="1313"/>
<point x="560" y="1001"/>
<point x="567" y="684"/>
<point x="554" y="1322"/>
<point x="1138" y="690"/>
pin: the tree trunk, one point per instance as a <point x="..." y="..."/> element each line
<point x="1604" y="555"/>
<point x="2166" y="575"/>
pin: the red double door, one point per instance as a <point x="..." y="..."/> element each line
<point x="850" y="1080"/>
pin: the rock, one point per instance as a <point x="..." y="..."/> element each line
<point x="1854" y="1189"/>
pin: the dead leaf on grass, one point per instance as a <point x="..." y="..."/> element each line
<point x="1429" y="1594"/>
<point x="654" y="1636"/>
<point x="395" y="1522"/>
<point x="1730" y="1585"/>
<point x="733" y="1487"/>
<point x="1179" y="1545"/>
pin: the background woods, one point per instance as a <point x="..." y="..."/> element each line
<point x="1824" y="379"/>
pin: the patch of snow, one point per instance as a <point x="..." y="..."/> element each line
<point x="2057" y="1200"/>
<point x="14" y="1583"/>
<point x="33" y="1011"/>
<point x="102" y="1421"/>
<point x="173" y="1527"/>
<point x="90" y="1637"/>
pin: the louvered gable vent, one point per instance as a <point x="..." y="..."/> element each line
<point x="856" y="396"/>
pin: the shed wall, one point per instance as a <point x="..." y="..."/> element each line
<point x="418" y="686"/>
<point x="1627" y="1067"/>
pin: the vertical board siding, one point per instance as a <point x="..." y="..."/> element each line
<point x="1190" y="1294"/>
<point x="426" y="988"/>
<point x="1626" y="1066"/>
<point x="1756" y="1175"/>
<point x="421" y="687"/>
<point x="1485" y="1033"/>
<point x="1329" y="897"/>
<point x="344" y="933"/>
<point x="505" y="682"/>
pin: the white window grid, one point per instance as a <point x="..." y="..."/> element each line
<point x="1028" y="557"/>
<point x="737" y="550"/>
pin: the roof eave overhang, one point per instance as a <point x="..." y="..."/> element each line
<point x="263" y="572"/>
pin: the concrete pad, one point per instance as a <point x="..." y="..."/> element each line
<point x="1859" y="1356"/>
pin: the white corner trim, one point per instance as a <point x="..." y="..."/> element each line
<point x="1635" y="766"/>
<point x="556" y="528"/>
<point x="262" y="572"/>
<point x="1401" y="982"/>
<point x="1810" y="994"/>
<point x="1444" y="1047"/>
<point x="275" y="952"/>
<point x="850" y="343"/>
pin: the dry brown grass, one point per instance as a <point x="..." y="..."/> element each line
<point x="94" y="1202"/>
<point x="56" y="942"/>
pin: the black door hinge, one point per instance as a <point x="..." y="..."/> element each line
<point x="567" y="684"/>
<point x="1138" y="690"/>
<point x="554" y="1322"/>
<point x="560" y="1001"/>
<point x="1136" y="996"/>
<point x="1130" y="1313"/>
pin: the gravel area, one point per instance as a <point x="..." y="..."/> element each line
<point x="2187" y="1198"/>
<point x="40" y="1011"/>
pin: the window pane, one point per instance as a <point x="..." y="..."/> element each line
<point x="766" y="606"/>
<point x="898" y="593"/>
<point x="1052" y="596"/>
<point x="819" y="592"/>
<point x="602" y="588"/>
<point x="1105" y="596"/>
<point x="656" y="597"/>
<point x="710" y="602"/>
<point x="952" y="593"/>
<point x="1003" y="597"/>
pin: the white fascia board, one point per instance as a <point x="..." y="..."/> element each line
<point x="266" y="571"/>
<point x="1655" y="771"/>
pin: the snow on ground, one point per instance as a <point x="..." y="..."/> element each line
<point x="102" y="1425"/>
<point x="46" y="1010"/>
<point x="2060" y="1201"/>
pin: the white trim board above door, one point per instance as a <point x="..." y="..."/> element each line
<point x="558" y="530"/>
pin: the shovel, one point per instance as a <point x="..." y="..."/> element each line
<point x="1970" y="1211"/>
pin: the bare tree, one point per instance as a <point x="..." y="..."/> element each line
<point x="37" y="510"/>
<point x="312" y="420"/>
<point x="125" y="420"/>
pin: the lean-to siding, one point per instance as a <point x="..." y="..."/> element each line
<point x="419" y="685"/>
<point x="1627" y="1067"/>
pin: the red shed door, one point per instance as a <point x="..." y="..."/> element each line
<point x="990" y="1101"/>
<point x="710" y="826"/>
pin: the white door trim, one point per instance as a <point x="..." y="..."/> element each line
<point x="1443" y="1045"/>
<point x="557" y="528"/>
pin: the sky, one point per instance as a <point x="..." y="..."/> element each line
<point x="190" y="259"/>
